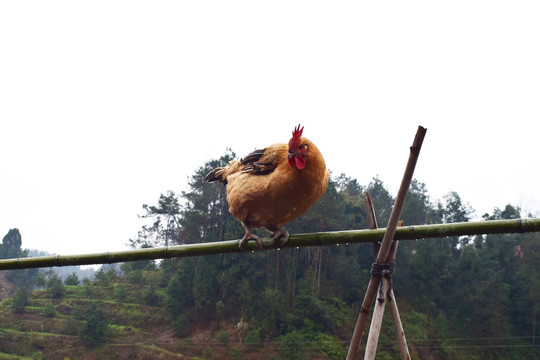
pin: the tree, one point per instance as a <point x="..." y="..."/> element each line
<point x="293" y="346"/>
<point x="19" y="301"/>
<point x="11" y="248"/>
<point x="382" y="200"/>
<point x="105" y="275"/>
<point x="95" y="324"/>
<point x="482" y="287"/>
<point x="205" y="216"/>
<point x="56" y="287"/>
<point x="11" y="245"/>
<point x="454" y="209"/>
<point x="164" y="229"/>
<point x="180" y="325"/>
<point x="149" y="295"/>
<point x="205" y="287"/>
<point x="509" y="212"/>
<point x="72" y="280"/>
<point x="418" y="209"/>
<point x="179" y="290"/>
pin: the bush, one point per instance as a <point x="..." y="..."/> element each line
<point x="180" y="326"/>
<point x="49" y="311"/>
<point x="135" y="277"/>
<point x="72" y="280"/>
<point x="19" y="301"/>
<point x="149" y="295"/>
<point x="253" y="338"/>
<point x="293" y="346"/>
<point x="104" y="278"/>
<point x="95" y="326"/>
<point x="330" y="346"/>
<point x="120" y="293"/>
<point x="235" y="354"/>
<point x="56" y="287"/>
<point x="208" y="353"/>
<point x="223" y="337"/>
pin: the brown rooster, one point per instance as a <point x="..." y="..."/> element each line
<point x="273" y="186"/>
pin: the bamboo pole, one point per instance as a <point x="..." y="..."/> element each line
<point x="394" y="313"/>
<point x="386" y="243"/>
<point x="398" y="328"/>
<point x="393" y="308"/>
<point x="299" y="240"/>
<point x="386" y="255"/>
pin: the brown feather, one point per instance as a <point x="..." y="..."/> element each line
<point x="263" y="190"/>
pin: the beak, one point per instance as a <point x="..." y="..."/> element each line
<point x="290" y="157"/>
<point x="296" y="161"/>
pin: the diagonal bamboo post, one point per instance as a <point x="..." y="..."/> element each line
<point x="388" y="248"/>
<point x="394" y="312"/>
<point x="386" y="243"/>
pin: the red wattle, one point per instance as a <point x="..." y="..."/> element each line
<point x="300" y="162"/>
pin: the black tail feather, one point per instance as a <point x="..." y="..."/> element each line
<point x="216" y="174"/>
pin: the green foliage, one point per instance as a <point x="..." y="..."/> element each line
<point x="120" y="293"/>
<point x="293" y="346"/>
<point x="223" y="337"/>
<point x="205" y="287"/>
<point x="11" y="245"/>
<point x="180" y="325"/>
<point x="253" y="338"/>
<point x="95" y="324"/>
<point x="149" y="295"/>
<point x="103" y="277"/>
<point x="56" y="287"/>
<point x="70" y="326"/>
<point x="308" y="292"/>
<point x="330" y="346"/>
<point x="72" y="280"/>
<point x="208" y="353"/>
<point x="137" y="265"/>
<point x="135" y="277"/>
<point x="163" y="230"/>
<point x="49" y="311"/>
<point x="483" y="289"/>
<point x="19" y="301"/>
<point x="11" y="248"/>
<point x="235" y="353"/>
<point x="179" y="290"/>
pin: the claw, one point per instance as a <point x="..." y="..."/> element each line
<point x="250" y="236"/>
<point x="279" y="233"/>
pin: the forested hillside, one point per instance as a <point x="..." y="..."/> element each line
<point x="460" y="298"/>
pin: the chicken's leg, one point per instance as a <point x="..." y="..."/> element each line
<point x="276" y="233"/>
<point x="249" y="236"/>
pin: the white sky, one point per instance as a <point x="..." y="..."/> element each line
<point x="106" y="104"/>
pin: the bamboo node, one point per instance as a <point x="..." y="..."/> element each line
<point x="385" y="271"/>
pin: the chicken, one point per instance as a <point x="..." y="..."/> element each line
<point x="273" y="186"/>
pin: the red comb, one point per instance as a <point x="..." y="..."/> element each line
<point x="297" y="133"/>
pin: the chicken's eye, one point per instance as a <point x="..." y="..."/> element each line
<point x="305" y="146"/>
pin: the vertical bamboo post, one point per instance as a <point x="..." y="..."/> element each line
<point x="376" y="324"/>
<point x="378" y="313"/>
<point x="386" y="243"/>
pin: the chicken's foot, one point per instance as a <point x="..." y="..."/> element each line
<point x="276" y="233"/>
<point x="249" y="236"/>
